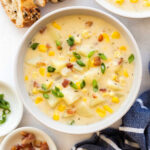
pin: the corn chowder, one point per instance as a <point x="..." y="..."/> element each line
<point x="132" y="5"/>
<point x="78" y="69"/>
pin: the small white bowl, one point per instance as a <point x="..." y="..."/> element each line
<point x="15" y="137"/>
<point x="120" y="12"/>
<point x="46" y="120"/>
<point x="16" y="106"/>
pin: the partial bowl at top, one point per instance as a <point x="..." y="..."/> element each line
<point x="129" y="9"/>
<point x="78" y="129"/>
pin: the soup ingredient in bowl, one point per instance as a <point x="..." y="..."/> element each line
<point x="30" y="142"/>
<point x="84" y="74"/>
<point x="4" y="109"/>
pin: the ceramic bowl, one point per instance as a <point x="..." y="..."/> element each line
<point x="124" y="13"/>
<point x="32" y="108"/>
<point x="14" y="138"/>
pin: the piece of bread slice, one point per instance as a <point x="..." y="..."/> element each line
<point x="21" y="12"/>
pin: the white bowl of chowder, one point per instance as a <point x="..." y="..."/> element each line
<point x="127" y="8"/>
<point x="78" y="70"/>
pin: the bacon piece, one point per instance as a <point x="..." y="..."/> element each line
<point x="35" y="84"/>
<point x="89" y="23"/>
<point x="48" y="46"/>
<point x="71" y="111"/>
<point x="120" y="61"/>
<point x="65" y="83"/>
<point x="100" y="38"/>
<point x="102" y="90"/>
<point x="69" y="65"/>
<point x="44" y="146"/>
<point x="97" y="61"/>
<point x="40" y="64"/>
<point x="73" y="47"/>
<point x="94" y="96"/>
<point x="42" y="30"/>
<point x="29" y="139"/>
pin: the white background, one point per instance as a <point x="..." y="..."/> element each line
<point x="10" y="37"/>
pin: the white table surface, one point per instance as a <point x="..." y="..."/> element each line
<point x="10" y="37"/>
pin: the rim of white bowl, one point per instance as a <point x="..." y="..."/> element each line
<point x="84" y="129"/>
<point x="20" y="107"/>
<point x="45" y="136"/>
<point x="120" y="12"/>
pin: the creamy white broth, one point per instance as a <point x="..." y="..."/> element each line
<point x="132" y="5"/>
<point x="79" y="106"/>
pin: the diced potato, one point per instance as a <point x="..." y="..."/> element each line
<point x="86" y="34"/>
<point x="113" y="85"/>
<point x="58" y="64"/>
<point x="33" y="61"/>
<point x="78" y="39"/>
<point x="95" y="101"/>
<point x="84" y="110"/>
<point x="70" y="96"/>
<point x="54" y="33"/>
<point x="84" y="50"/>
<point x="65" y="71"/>
<point x="53" y="101"/>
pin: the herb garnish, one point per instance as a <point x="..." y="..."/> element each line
<point x="45" y="95"/>
<point x="57" y="93"/>
<point x="51" y="69"/>
<point x="102" y="56"/>
<point x="76" y="55"/>
<point x="71" y="41"/>
<point x="91" y="54"/>
<point x="131" y="58"/>
<point x="95" y="85"/>
<point x="103" y="68"/>
<point x="73" y="85"/>
<point x="34" y="46"/>
<point x="72" y="122"/>
<point x="59" y="45"/>
<point x="80" y="63"/>
<point x="83" y="84"/>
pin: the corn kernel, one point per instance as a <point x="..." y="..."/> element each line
<point x="42" y="48"/>
<point x="51" y="53"/>
<point x="91" y="63"/>
<point x="133" y="1"/>
<point x="38" y="100"/>
<point x="48" y="74"/>
<point x="115" y="99"/>
<point x="26" y="78"/>
<point x="49" y="84"/>
<point x="120" y="2"/>
<point x="72" y="59"/>
<point x="56" y="117"/>
<point x="60" y="87"/>
<point x="115" y="35"/>
<point x="86" y="34"/>
<point x="35" y="91"/>
<point x="84" y="99"/>
<point x="115" y="77"/>
<point x="107" y="108"/>
<point x="78" y="84"/>
<point x="77" y="40"/>
<point x="57" y="26"/>
<point x="61" y="107"/>
<point x="101" y="112"/>
<point x="146" y="3"/>
<point x="42" y="71"/>
<point x="122" y="48"/>
<point x="125" y="73"/>
<point x="106" y="37"/>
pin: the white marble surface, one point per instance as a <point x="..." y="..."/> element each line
<point x="10" y="37"/>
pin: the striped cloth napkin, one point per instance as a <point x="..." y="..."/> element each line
<point x="133" y="134"/>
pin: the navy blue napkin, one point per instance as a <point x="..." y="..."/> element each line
<point x="133" y="134"/>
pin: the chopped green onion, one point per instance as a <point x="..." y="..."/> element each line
<point x="59" y="45"/>
<point x="131" y="58"/>
<point x="45" y="95"/>
<point x="57" y="93"/>
<point x="83" y="84"/>
<point x="73" y="85"/>
<point x="95" y="86"/>
<point x="34" y="46"/>
<point x="80" y="63"/>
<point x="44" y="87"/>
<point x="71" y="41"/>
<point x="103" y="68"/>
<point x="51" y="69"/>
<point x="91" y="54"/>
<point x="72" y="122"/>
<point x="102" y="56"/>
<point x="76" y="55"/>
